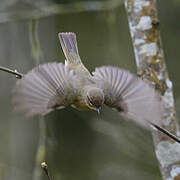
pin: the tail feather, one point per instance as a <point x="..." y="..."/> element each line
<point x="70" y="49"/>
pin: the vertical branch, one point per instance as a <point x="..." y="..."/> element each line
<point x="37" y="56"/>
<point x="145" y="34"/>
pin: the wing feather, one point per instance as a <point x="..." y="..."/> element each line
<point x="44" y="88"/>
<point x="130" y="95"/>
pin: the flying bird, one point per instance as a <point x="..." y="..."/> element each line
<point x="56" y="85"/>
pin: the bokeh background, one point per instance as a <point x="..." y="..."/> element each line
<point x="76" y="145"/>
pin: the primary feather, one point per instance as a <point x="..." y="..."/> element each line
<point x="130" y="95"/>
<point x="43" y="89"/>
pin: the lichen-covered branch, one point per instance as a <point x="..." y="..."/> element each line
<point x="145" y="34"/>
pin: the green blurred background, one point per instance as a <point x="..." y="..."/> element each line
<point x="76" y="145"/>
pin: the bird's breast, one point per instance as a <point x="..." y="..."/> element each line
<point x="82" y="84"/>
<point x="80" y="104"/>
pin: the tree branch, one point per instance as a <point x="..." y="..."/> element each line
<point x="45" y="168"/>
<point x="145" y="34"/>
<point x="17" y="74"/>
<point x="166" y="132"/>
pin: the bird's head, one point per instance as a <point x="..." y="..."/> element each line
<point x="95" y="98"/>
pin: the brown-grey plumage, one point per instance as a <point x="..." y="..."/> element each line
<point x="130" y="95"/>
<point x="55" y="86"/>
<point x="70" y="49"/>
<point x="43" y="89"/>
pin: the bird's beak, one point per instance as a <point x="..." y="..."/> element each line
<point x="98" y="110"/>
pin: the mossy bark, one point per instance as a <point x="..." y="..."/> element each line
<point x="144" y="28"/>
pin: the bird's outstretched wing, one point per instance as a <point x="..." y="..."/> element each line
<point x="43" y="89"/>
<point x="130" y="95"/>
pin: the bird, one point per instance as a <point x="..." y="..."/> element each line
<point x="56" y="85"/>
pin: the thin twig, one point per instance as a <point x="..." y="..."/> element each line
<point x="45" y="168"/>
<point x="172" y="136"/>
<point x="17" y="74"/>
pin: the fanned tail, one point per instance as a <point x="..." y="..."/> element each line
<point x="70" y="49"/>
